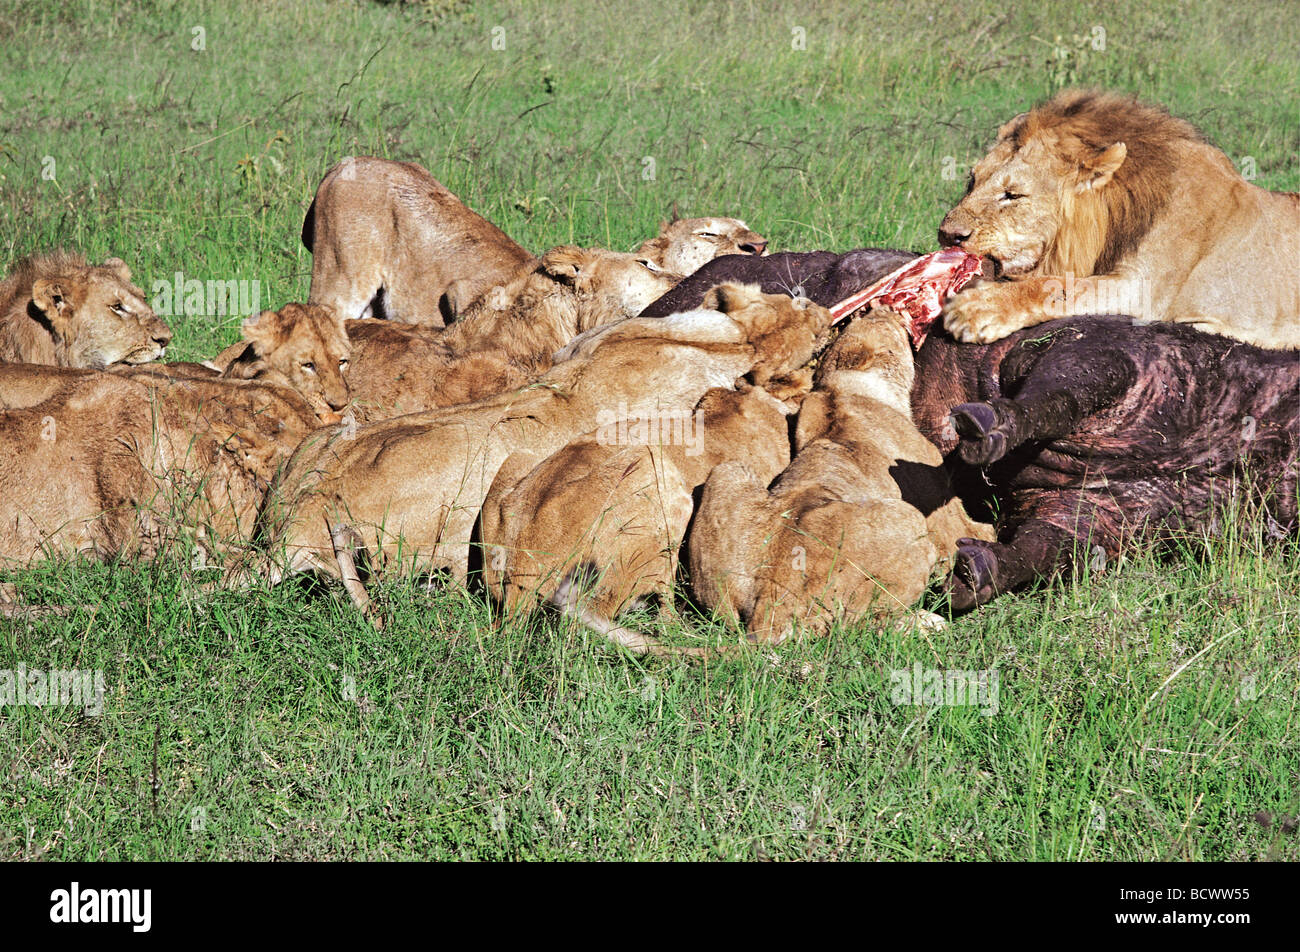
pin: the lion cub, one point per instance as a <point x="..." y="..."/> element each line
<point x="505" y="339"/>
<point x="855" y="524"/>
<point x="304" y="347"/>
<point x="610" y="509"/>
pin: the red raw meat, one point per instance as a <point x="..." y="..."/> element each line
<point x="918" y="289"/>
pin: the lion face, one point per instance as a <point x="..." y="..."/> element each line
<point x="686" y="245"/>
<point x="98" y="317"/>
<point x="608" y="285"/>
<point x="1022" y="197"/>
<point x="301" y="346"/>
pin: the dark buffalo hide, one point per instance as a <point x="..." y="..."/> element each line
<point x="1083" y="434"/>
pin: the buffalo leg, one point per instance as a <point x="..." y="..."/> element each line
<point x="1057" y="391"/>
<point x="1037" y="548"/>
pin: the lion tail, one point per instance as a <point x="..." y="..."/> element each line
<point x="570" y="603"/>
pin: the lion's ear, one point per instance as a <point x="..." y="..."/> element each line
<point x="566" y="263"/>
<point x="1009" y="126"/>
<point x="730" y="297"/>
<point x="1101" y="168"/>
<point x="51" y="300"/>
<point x="119" y="268"/>
<point x="262" y="331"/>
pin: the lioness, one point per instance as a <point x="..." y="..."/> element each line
<point x="390" y="241"/>
<point x="617" y="503"/>
<point x="411" y="488"/>
<point x="684" y="245"/>
<point x="1095" y="203"/>
<point x="58" y="309"/>
<point x="610" y="509"/>
<point x="856" y="523"/>
<point x="503" y="340"/>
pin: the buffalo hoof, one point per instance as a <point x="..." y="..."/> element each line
<point x="974" y="575"/>
<point x="983" y="435"/>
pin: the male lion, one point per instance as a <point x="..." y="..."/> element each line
<point x="57" y="309"/>
<point x="1096" y="203"/>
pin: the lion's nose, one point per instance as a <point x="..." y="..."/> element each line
<point x="162" y="336"/>
<point x="951" y="236"/>
<point x="754" y="247"/>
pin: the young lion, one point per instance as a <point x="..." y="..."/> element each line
<point x="57" y="309"/>
<point x="684" y="245"/>
<point x="616" y="504"/>
<point x="412" y="487"/>
<point x="611" y="514"/>
<point x="856" y="523"/>
<point x="504" y="340"/>
<point x="139" y="460"/>
<point x="304" y="347"/>
<point x="1093" y="203"/>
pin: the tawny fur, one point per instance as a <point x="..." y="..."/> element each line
<point x="836" y="536"/>
<point x="142" y="459"/>
<point x="504" y="340"/>
<point x="1096" y="203"/>
<point x="684" y="245"/>
<point x="617" y="511"/>
<point x="390" y="241"/>
<point x="414" y="485"/>
<point x="304" y="347"/>
<point x="57" y="309"/>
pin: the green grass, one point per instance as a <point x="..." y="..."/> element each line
<point x="1148" y="713"/>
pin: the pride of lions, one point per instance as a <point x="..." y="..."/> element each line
<point x="582" y="430"/>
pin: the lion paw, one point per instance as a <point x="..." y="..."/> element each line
<point x="983" y="314"/>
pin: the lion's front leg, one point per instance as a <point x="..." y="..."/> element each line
<point x="990" y="311"/>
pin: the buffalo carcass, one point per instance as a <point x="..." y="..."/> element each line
<point x="1088" y="432"/>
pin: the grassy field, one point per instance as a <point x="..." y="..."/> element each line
<point x="1149" y="712"/>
